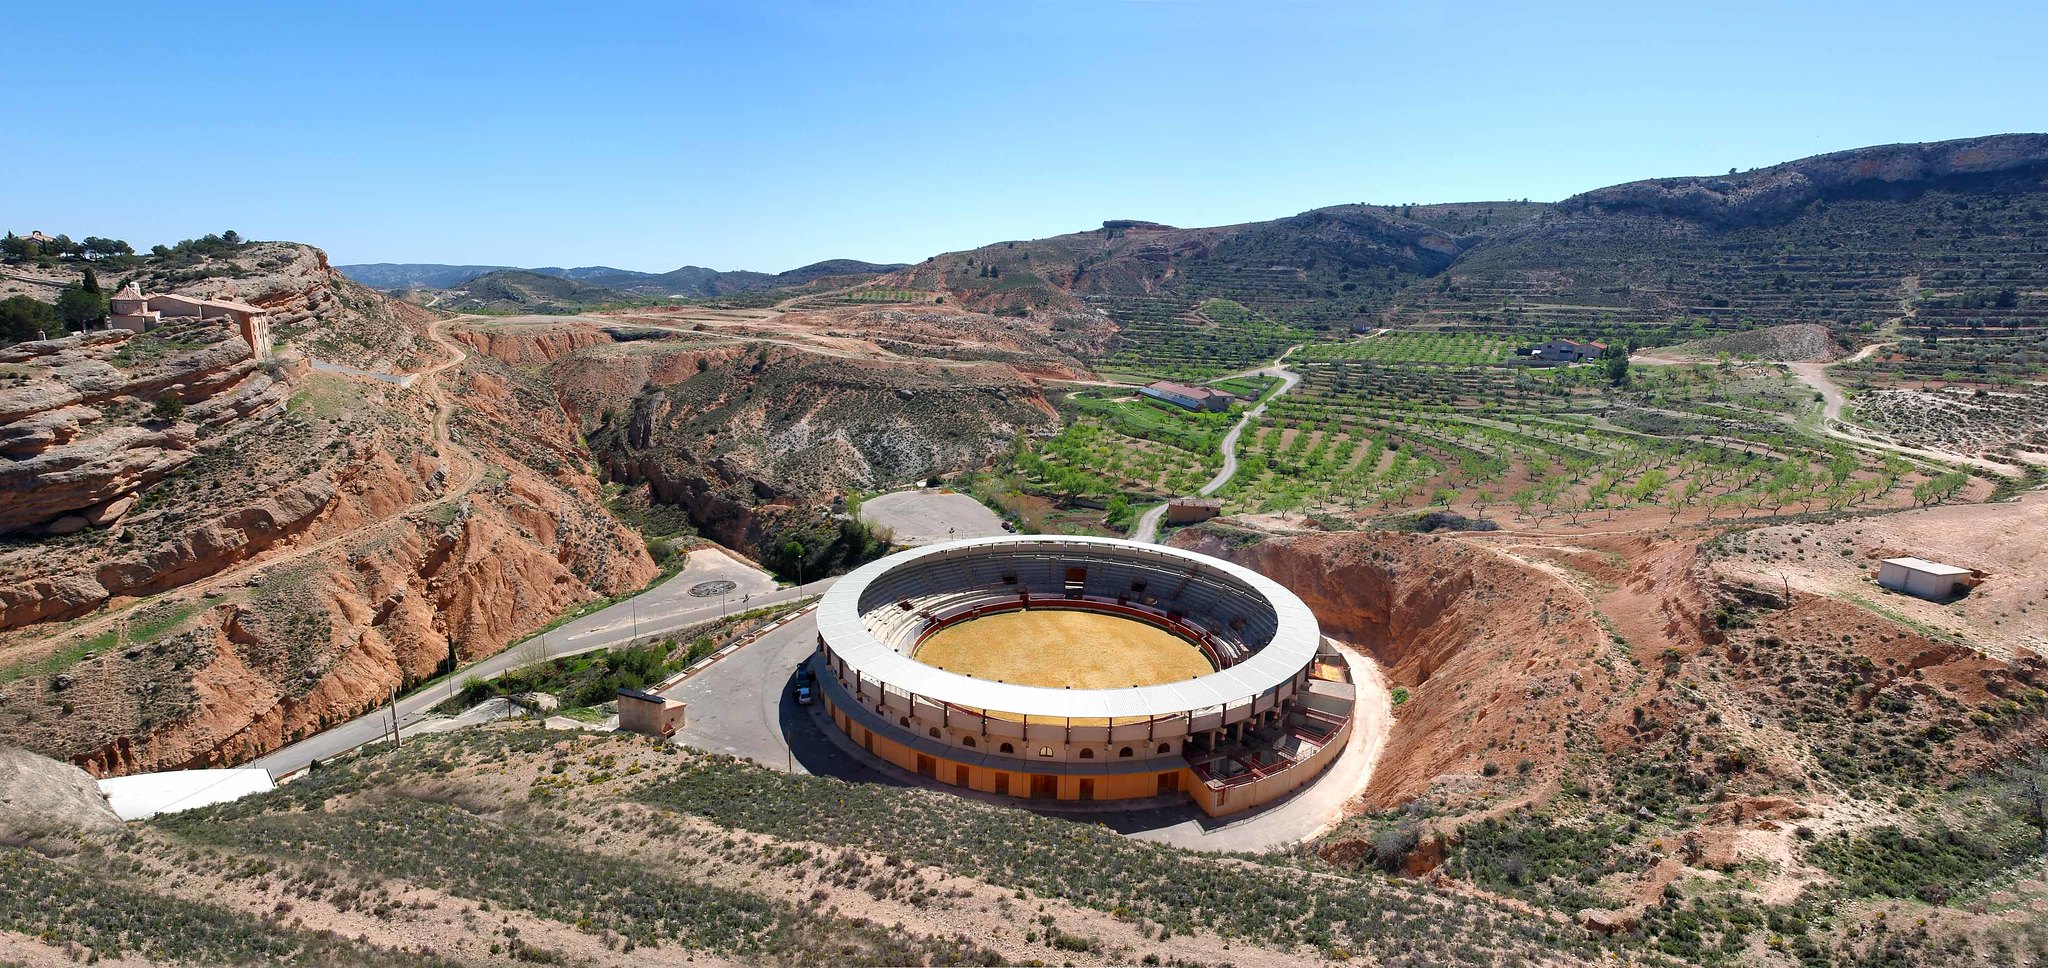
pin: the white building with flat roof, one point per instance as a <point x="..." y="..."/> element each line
<point x="1925" y="579"/>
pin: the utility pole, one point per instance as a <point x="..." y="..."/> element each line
<point x="396" y="739"/>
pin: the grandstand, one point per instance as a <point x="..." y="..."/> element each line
<point x="1265" y="717"/>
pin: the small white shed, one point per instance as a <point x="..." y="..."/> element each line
<point x="1924" y="579"/>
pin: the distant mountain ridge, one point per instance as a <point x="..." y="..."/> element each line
<point x="694" y="281"/>
<point x="414" y="275"/>
<point x="1847" y="239"/>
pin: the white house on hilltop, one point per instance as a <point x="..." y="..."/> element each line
<point x="129" y="309"/>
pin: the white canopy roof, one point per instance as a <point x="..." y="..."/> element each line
<point x="1930" y="567"/>
<point x="1292" y="648"/>
<point x="145" y="795"/>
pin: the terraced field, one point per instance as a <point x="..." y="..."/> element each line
<point x="1118" y="444"/>
<point x="1960" y="420"/>
<point x="1362" y="437"/>
<point x="1941" y="260"/>
<point x="1171" y="338"/>
<point x="1453" y="348"/>
<point x="1989" y="358"/>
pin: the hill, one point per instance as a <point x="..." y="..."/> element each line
<point x="521" y="291"/>
<point x="1947" y="236"/>
<point x="1850" y="239"/>
<point x="699" y="282"/>
<point x="413" y="275"/>
<point x="298" y="535"/>
<point x="510" y="291"/>
<point x="1316" y="269"/>
<point x="532" y="846"/>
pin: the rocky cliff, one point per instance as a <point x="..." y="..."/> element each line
<point x="312" y="308"/>
<point x="744" y="432"/>
<point x="291" y="546"/>
<point x="76" y="420"/>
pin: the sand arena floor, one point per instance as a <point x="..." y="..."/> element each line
<point x="1058" y="647"/>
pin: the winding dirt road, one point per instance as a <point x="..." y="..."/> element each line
<point x="1833" y="401"/>
<point x="1815" y="375"/>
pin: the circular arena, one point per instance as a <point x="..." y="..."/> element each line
<point x="1078" y="668"/>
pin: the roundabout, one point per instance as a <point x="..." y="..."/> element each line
<point x="1079" y="668"/>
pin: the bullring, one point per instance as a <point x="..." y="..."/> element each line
<point x="1082" y="668"/>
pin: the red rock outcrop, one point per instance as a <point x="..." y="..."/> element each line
<point x="1492" y="652"/>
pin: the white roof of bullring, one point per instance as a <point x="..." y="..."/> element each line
<point x="1930" y="567"/>
<point x="1293" y="645"/>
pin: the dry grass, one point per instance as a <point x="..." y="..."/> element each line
<point x="1059" y="647"/>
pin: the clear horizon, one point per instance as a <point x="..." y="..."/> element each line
<point x="775" y="135"/>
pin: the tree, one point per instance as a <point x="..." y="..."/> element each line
<point x="793" y="552"/>
<point x="231" y="237"/>
<point x="168" y="408"/>
<point x="81" y="307"/>
<point x="1119" y="511"/>
<point x="23" y="318"/>
<point x="1617" y="364"/>
<point x="99" y="248"/>
<point x="1940" y="488"/>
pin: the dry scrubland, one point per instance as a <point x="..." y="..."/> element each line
<point x="522" y="846"/>
<point x="1641" y="732"/>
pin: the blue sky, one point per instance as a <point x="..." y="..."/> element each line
<point x="766" y="135"/>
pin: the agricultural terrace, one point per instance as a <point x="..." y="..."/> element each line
<point x="1999" y="423"/>
<point x="1998" y="359"/>
<point x="1120" y="443"/>
<point x="871" y="294"/>
<point x="1460" y="349"/>
<point x="1162" y="337"/>
<point x="1247" y="388"/>
<point x="1367" y="436"/>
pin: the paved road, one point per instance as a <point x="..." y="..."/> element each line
<point x="1288" y="380"/>
<point x="745" y="705"/>
<point x="665" y="608"/>
<point x="928" y="516"/>
<point x="1147" y="530"/>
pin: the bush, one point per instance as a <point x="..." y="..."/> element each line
<point x="168" y="409"/>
